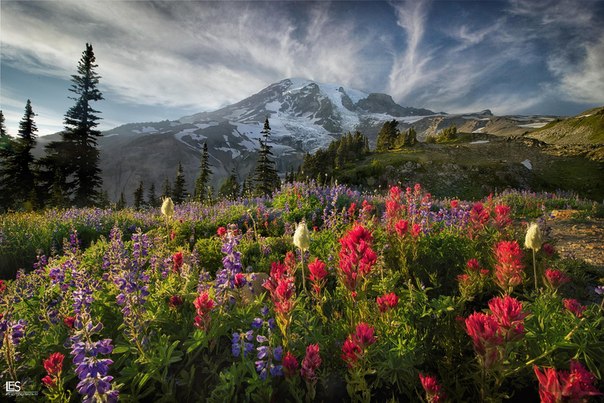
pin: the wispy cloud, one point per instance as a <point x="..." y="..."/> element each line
<point x="199" y="56"/>
<point x="514" y="62"/>
<point x="409" y="66"/>
<point x="193" y="54"/>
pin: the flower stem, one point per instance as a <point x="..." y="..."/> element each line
<point x="535" y="269"/>
<point x="303" y="275"/>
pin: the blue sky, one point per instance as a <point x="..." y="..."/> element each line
<point x="167" y="59"/>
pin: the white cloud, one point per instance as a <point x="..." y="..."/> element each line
<point x="583" y="82"/>
<point x="408" y="67"/>
<point x="191" y="55"/>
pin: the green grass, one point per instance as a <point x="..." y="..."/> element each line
<point x="458" y="169"/>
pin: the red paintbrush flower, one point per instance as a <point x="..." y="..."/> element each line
<point x="311" y="363"/>
<point x="509" y="315"/>
<point x="574" y="306"/>
<point x="509" y="267"/>
<point x="401" y="227"/>
<point x="351" y="352"/>
<point x="177" y="261"/>
<point x="555" y="278"/>
<point x="434" y="393"/>
<point x="203" y="305"/>
<point x="290" y="364"/>
<point x="54" y="364"/>
<point x="387" y="301"/>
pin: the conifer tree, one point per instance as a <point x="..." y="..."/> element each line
<point x="3" y="132"/>
<point x="266" y="179"/>
<point x="247" y="188"/>
<point x="152" y="197"/>
<point x="17" y="171"/>
<point x="201" y="184"/>
<point x="104" y="200"/>
<point x="167" y="189"/>
<point x="230" y="187"/>
<point x="121" y="203"/>
<point x="76" y="156"/>
<point x="139" y="199"/>
<point x="179" y="192"/>
<point x="387" y="136"/>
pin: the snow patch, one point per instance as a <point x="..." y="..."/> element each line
<point x="410" y="119"/>
<point x="206" y="125"/>
<point x="234" y="153"/>
<point x="146" y="129"/>
<point x="527" y="164"/>
<point x="535" y="125"/>
<point x="479" y="142"/>
<point x="479" y="130"/>
<point x="273" y="106"/>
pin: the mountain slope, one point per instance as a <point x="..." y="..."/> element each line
<point x="585" y="128"/>
<point x="304" y="116"/>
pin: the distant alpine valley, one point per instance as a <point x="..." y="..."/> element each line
<point x="304" y="116"/>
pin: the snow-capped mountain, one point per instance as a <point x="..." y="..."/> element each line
<point x="304" y="116"/>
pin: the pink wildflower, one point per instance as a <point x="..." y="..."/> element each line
<point x="290" y="364"/>
<point x="434" y="393"/>
<point x="555" y="278"/>
<point x="311" y="363"/>
<point x="387" y="302"/>
<point x="574" y="306"/>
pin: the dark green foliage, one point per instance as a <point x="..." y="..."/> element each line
<point x="179" y="193"/>
<point x="387" y="136"/>
<point x="247" y="187"/>
<point x="121" y="203"/>
<point x="139" y="196"/>
<point x="152" y="199"/>
<point x="230" y="187"/>
<point x="75" y="158"/>
<point x="201" y="184"/>
<point x="167" y="189"/>
<point x="322" y="164"/>
<point x="17" y="173"/>
<point x="407" y="138"/>
<point x="3" y="132"/>
<point x="448" y="134"/>
<point x="266" y="179"/>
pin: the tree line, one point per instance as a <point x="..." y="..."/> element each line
<point x="69" y="174"/>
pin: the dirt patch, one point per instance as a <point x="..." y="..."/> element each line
<point x="578" y="239"/>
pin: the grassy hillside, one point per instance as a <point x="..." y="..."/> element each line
<point x="475" y="169"/>
<point x="586" y="128"/>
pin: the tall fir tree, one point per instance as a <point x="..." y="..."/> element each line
<point x="121" y="203"/>
<point x="3" y="132"/>
<point x="203" y="180"/>
<point x="139" y="196"/>
<point x="76" y="156"/>
<point x="152" y="199"/>
<point x="167" y="189"/>
<point x="179" y="193"/>
<point x="266" y="179"/>
<point x="230" y="187"/>
<point x="17" y="172"/>
<point x="387" y="136"/>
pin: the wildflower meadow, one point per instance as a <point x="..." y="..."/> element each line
<point x="318" y="293"/>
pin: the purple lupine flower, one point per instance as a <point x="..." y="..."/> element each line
<point x="242" y="342"/>
<point x="16" y="329"/>
<point x="90" y="368"/>
<point x="231" y="262"/>
<point x="257" y="323"/>
<point x="132" y="280"/>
